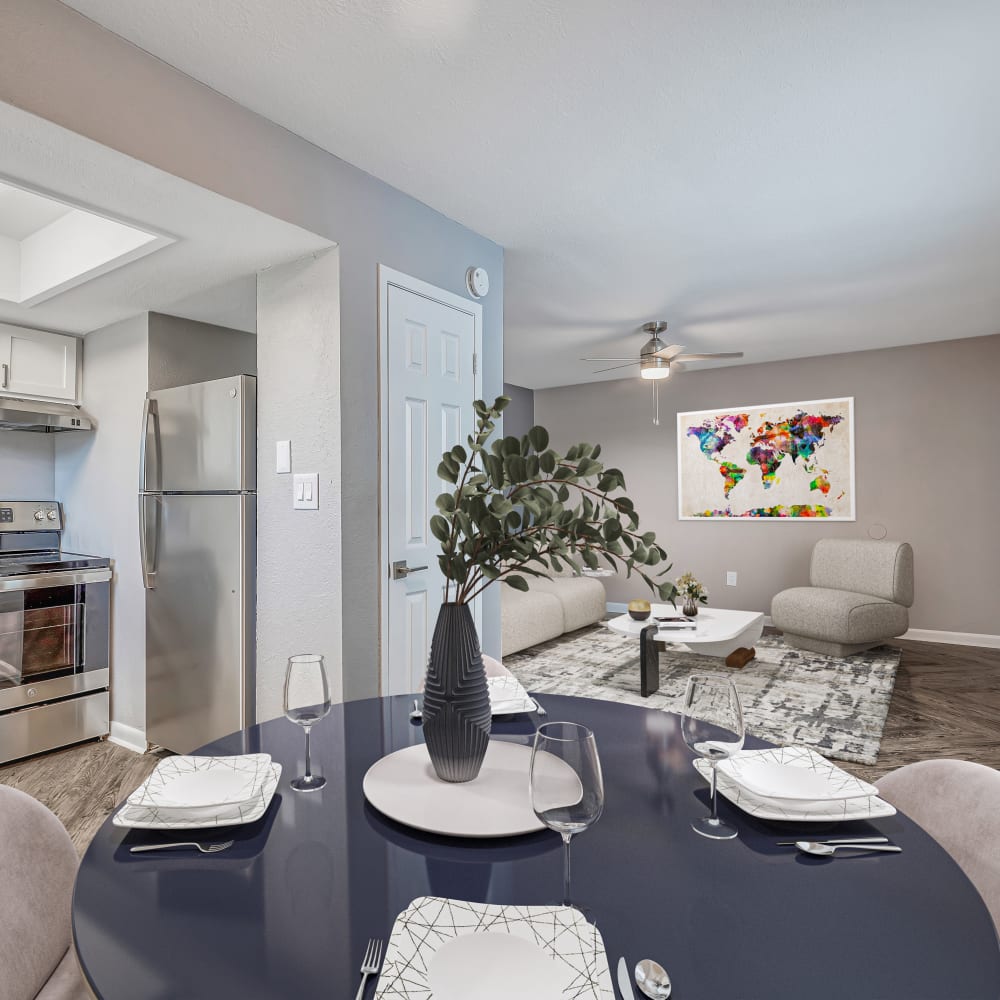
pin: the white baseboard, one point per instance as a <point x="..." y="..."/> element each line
<point x="953" y="638"/>
<point x="128" y="737"/>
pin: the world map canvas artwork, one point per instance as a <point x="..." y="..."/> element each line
<point x="780" y="461"/>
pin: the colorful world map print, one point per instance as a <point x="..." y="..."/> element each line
<point x="780" y="461"/>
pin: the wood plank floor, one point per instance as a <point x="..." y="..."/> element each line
<point x="81" y="785"/>
<point x="946" y="703"/>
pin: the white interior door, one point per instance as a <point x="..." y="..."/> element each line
<point x="430" y="379"/>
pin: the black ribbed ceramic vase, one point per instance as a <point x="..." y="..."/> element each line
<point x="456" y="708"/>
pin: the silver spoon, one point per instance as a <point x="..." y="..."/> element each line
<point x="652" y="979"/>
<point x="416" y="714"/>
<point x="828" y="850"/>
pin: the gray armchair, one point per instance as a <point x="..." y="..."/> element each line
<point x="859" y="594"/>
<point x="37" y="870"/>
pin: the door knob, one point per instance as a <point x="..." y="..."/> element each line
<point x="400" y="571"/>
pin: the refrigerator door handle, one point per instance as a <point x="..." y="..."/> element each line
<point x="148" y="564"/>
<point x="149" y="412"/>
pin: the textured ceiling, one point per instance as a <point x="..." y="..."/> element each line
<point x="219" y="242"/>
<point x="772" y="176"/>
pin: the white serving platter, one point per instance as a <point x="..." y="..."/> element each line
<point x="793" y="773"/>
<point x="404" y="786"/>
<point x="507" y="696"/>
<point x="141" y="817"/>
<point x="446" y="949"/>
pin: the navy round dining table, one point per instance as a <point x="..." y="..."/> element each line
<point x="288" y="910"/>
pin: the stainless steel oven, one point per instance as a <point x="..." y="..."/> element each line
<point x="55" y="618"/>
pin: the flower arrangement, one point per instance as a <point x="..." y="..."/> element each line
<point x="691" y="589"/>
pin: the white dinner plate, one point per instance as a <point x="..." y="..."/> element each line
<point x="789" y="810"/>
<point x="798" y="773"/>
<point x="507" y="696"/>
<point x="447" y="949"/>
<point x="142" y="817"/>
<point x="186" y="782"/>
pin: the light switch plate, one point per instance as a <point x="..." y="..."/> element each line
<point x="731" y="578"/>
<point x="283" y="458"/>
<point x="305" y="491"/>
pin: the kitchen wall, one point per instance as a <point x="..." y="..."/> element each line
<point x="27" y="465"/>
<point x="182" y="351"/>
<point x="519" y="417"/>
<point x="926" y="469"/>
<point x="56" y="64"/>
<point x="96" y="478"/>
<point x="298" y="551"/>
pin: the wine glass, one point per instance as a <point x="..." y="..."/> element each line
<point x="307" y="700"/>
<point x="565" y="783"/>
<point x="712" y="724"/>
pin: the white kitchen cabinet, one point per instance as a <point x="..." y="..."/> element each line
<point x="38" y="364"/>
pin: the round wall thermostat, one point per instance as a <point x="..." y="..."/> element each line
<point x="478" y="281"/>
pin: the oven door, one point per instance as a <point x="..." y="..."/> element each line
<point x="54" y="635"/>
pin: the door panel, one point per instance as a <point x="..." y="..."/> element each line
<point x="206" y="436"/>
<point x="199" y="621"/>
<point x="431" y="385"/>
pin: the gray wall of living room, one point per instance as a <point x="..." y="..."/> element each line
<point x="57" y="64"/>
<point x="926" y="417"/>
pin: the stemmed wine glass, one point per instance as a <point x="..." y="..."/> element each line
<point x="307" y="700"/>
<point x="565" y="783"/>
<point x="712" y="723"/>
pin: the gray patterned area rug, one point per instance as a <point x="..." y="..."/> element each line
<point x="836" y="706"/>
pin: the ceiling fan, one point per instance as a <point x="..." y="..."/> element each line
<point x="656" y="360"/>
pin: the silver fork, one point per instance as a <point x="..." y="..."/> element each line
<point x="370" y="965"/>
<point x="204" y="848"/>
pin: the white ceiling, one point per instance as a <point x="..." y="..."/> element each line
<point x="24" y="212"/>
<point x="777" y="177"/>
<point x="219" y="242"/>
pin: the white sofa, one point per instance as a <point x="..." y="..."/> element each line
<point x="549" y="609"/>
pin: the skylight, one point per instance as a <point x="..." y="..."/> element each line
<point x="47" y="246"/>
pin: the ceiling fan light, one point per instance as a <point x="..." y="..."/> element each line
<point x="654" y="368"/>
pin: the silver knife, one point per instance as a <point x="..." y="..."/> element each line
<point x="625" y="980"/>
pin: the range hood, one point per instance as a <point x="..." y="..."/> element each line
<point x="45" y="418"/>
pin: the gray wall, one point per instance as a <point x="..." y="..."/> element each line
<point x="96" y="478"/>
<point x="57" y="64"/>
<point x="925" y="428"/>
<point x="182" y="351"/>
<point x="519" y="417"/>
<point x="27" y="465"/>
<point x="298" y="551"/>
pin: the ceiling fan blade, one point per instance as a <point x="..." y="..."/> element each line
<point x="709" y="357"/>
<point x="669" y="352"/>
<point x="615" y="368"/>
<point x="633" y="360"/>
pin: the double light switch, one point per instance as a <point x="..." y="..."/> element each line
<point x="305" y="491"/>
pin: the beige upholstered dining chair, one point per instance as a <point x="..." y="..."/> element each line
<point x="37" y="869"/>
<point x="958" y="804"/>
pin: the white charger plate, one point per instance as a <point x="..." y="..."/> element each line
<point x="143" y="817"/>
<point x="447" y="949"/>
<point x="789" y="810"/>
<point x="800" y="774"/>
<point x="404" y="786"/>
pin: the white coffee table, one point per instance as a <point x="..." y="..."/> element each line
<point x="719" y="632"/>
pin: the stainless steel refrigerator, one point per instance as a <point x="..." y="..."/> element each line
<point x="197" y="541"/>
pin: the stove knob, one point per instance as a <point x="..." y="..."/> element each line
<point x="52" y="515"/>
<point x="39" y="515"/>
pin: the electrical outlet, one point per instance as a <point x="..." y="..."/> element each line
<point x="731" y="578"/>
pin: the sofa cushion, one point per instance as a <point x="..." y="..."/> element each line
<point x="528" y="618"/>
<point x="837" y="615"/>
<point x="583" y="599"/>
<point x="66" y="983"/>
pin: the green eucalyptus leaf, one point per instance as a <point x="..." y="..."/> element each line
<point x="539" y="438"/>
<point x="517" y="582"/>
